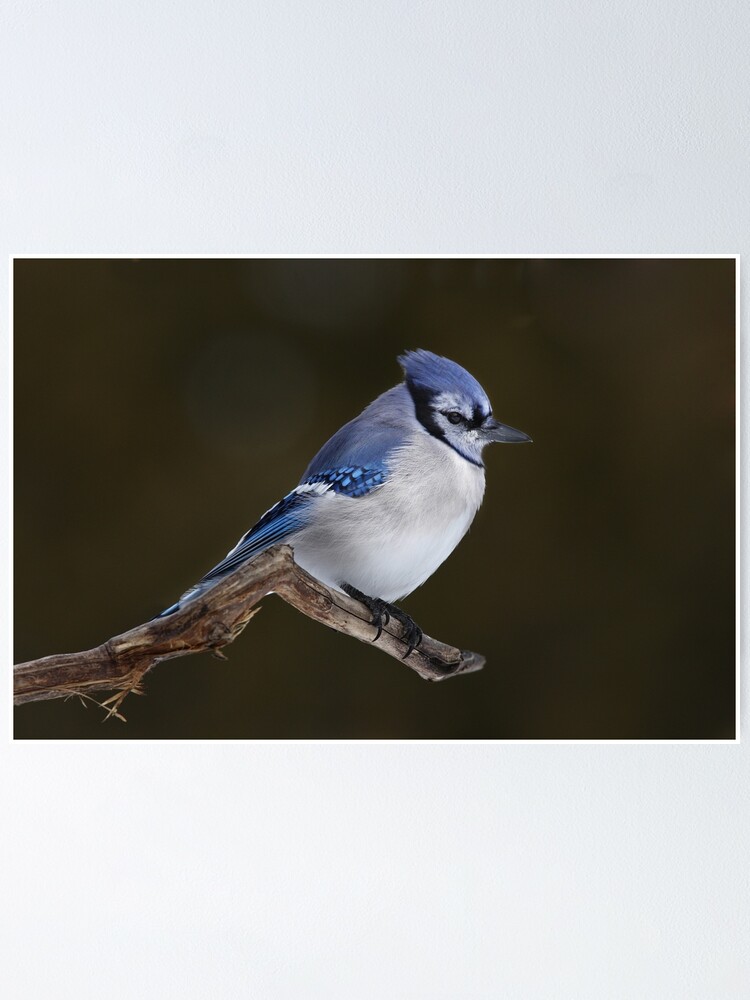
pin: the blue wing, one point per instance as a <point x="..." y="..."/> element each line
<point x="364" y="443"/>
<point x="293" y="512"/>
<point x="353" y="463"/>
<point x="351" y="480"/>
<point x="276" y="525"/>
<point x="289" y="516"/>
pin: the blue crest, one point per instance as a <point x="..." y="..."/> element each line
<point x="431" y="373"/>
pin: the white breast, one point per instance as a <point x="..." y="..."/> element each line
<point x="389" y="542"/>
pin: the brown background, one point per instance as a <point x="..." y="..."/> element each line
<point x="161" y="406"/>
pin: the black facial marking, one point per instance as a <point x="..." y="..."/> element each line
<point x="425" y="414"/>
<point x="479" y="417"/>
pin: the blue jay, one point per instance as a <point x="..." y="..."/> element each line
<point x="389" y="497"/>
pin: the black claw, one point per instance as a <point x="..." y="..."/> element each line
<point x="377" y="608"/>
<point x="412" y="635"/>
<point x="382" y="612"/>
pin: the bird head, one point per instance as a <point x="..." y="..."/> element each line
<point x="452" y="405"/>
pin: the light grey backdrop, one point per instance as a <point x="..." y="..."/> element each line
<point x="367" y="871"/>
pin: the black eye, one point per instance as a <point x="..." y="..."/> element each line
<point x="454" y="417"/>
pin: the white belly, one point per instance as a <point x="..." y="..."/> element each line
<point x="389" y="542"/>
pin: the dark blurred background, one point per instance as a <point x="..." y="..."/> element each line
<point x="161" y="406"/>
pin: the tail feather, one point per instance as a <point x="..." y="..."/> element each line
<point x="167" y="611"/>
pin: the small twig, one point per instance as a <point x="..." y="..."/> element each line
<point x="216" y="619"/>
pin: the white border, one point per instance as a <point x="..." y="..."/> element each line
<point x="406" y="256"/>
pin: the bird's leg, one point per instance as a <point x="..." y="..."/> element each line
<point x="382" y="612"/>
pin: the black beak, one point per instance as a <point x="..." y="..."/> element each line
<point x="494" y="431"/>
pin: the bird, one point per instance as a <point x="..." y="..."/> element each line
<point x="388" y="498"/>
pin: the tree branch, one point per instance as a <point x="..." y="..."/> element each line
<point x="215" y="620"/>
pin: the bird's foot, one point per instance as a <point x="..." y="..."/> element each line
<point x="382" y="612"/>
<point x="412" y="632"/>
